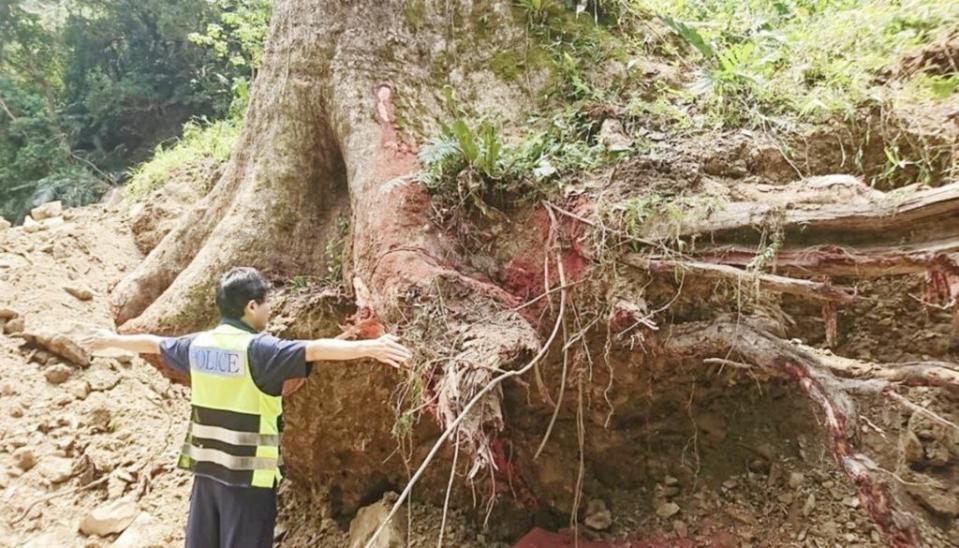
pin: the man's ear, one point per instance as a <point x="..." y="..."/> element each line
<point x="251" y="306"/>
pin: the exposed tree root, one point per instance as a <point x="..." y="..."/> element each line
<point x="820" y="291"/>
<point x="749" y="341"/>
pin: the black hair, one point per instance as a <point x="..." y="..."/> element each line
<point x="238" y="287"/>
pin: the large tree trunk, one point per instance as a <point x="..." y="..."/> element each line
<point x="321" y="141"/>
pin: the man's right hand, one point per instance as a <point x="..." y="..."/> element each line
<point x="98" y="340"/>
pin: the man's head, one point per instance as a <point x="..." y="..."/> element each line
<point x="241" y="295"/>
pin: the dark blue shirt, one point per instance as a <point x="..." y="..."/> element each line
<point x="272" y="360"/>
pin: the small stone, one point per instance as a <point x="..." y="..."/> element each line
<point x="80" y="292"/>
<point x="809" y="505"/>
<point x="613" y="136"/>
<point x="30" y="226"/>
<point x="16" y="411"/>
<point x="670" y="480"/>
<point x="8" y="389"/>
<point x="795" y="480"/>
<point x="730" y="484"/>
<point x="667" y="509"/>
<point x="598" y="517"/>
<point x="852" y="502"/>
<point x="56" y="469"/>
<point x="15" y="325"/>
<point x="785" y="498"/>
<point x="101" y="379"/>
<point x="58" y="374"/>
<point x="99" y="418"/>
<point x="109" y="518"/>
<point x="4" y="224"/>
<point x="47" y="210"/>
<point x="115" y="487"/>
<point x="680" y="528"/>
<point x="24" y="458"/>
<point x="759" y="466"/>
<point x="7" y="313"/>
<point x="79" y="390"/>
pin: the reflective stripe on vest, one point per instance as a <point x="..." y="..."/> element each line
<point x="234" y="432"/>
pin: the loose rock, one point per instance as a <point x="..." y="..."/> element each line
<point x="30" y="226"/>
<point x="16" y="325"/>
<point x="368" y="519"/>
<point x="59" y="344"/>
<point x="667" y="509"/>
<point x="109" y="518"/>
<point x="80" y="292"/>
<point x="57" y="374"/>
<point x="795" y="480"/>
<point x="598" y="517"/>
<point x="24" y="458"/>
<point x="56" y="469"/>
<point x="47" y="210"/>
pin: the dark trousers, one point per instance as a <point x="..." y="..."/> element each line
<point x="223" y="516"/>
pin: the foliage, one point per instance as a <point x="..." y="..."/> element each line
<point x="202" y="145"/>
<point x="792" y="60"/>
<point x="89" y="87"/>
<point x="238" y="37"/>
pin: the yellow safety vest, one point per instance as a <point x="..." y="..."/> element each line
<point x="234" y="434"/>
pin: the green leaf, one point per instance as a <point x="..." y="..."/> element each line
<point x="689" y="34"/>
<point x="465" y="140"/>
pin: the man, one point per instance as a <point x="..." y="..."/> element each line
<point x="236" y="377"/>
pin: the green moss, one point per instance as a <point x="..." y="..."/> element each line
<point x="414" y="12"/>
<point x="511" y="64"/>
<point x="483" y="19"/>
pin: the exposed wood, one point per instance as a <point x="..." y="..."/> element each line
<point x="819" y="291"/>
<point x="836" y="261"/>
<point x="837" y="209"/>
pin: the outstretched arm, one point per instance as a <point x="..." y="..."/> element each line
<point x="386" y="349"/>
<point x="140" y="344"/>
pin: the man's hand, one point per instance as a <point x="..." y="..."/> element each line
<point x="388" y="350"/>
<point x="98" y="340"/>
<point x="104" y="338"/>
